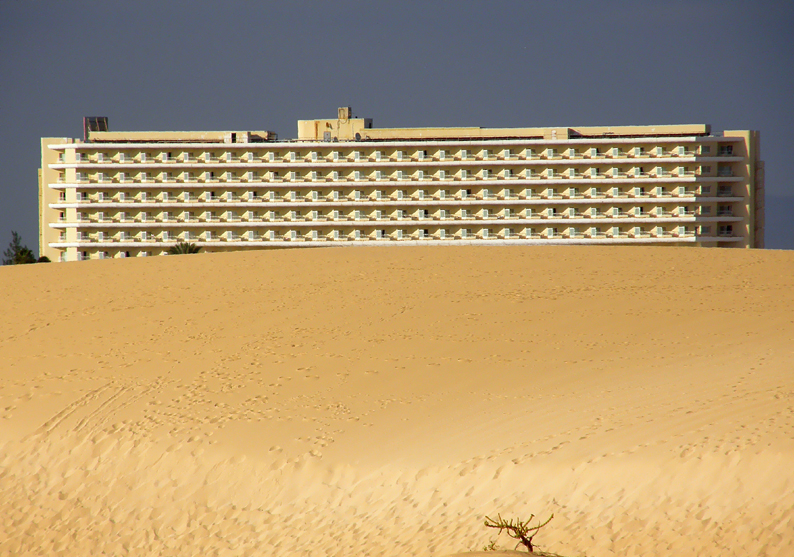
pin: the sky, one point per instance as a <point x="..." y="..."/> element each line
<point x="245" y="65"/>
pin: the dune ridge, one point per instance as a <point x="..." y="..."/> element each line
<point x="383" y="401"/>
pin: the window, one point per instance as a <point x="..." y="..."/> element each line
<point x="420" y="175"/>
<point x="550" y="173"/>
<point x="464" y="154"/>
<point x="443" y="155"/>
<point x="442" y="175"/>
<point x="726" y="150"/>
<point x="550" y="153"/>
<point x="726" y="230"/>
<point x="464" y="174"/>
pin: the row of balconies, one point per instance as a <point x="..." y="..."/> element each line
<point x="397" y="196"/>
<point x="532" y="153"/>
<point x="400" y="234"/>
<point x="399" y="215"/>
<point x="399" y="176"/>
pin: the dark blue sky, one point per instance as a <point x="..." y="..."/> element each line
<point x="235" y="64"/>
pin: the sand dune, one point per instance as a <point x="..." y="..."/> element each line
<point x="353" y="402"/>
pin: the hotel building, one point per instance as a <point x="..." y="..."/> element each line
<point x="344" y="183"/>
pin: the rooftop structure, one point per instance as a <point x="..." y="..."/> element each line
<point x="343" y="182"/>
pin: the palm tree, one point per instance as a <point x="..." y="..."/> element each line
<point x="184" y="247"/>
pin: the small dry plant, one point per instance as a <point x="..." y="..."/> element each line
<point x="517" y="529"/>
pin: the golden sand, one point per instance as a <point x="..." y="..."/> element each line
<point x="354" y="402"/>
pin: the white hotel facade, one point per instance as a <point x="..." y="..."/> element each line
<point x="344" y="183"/>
